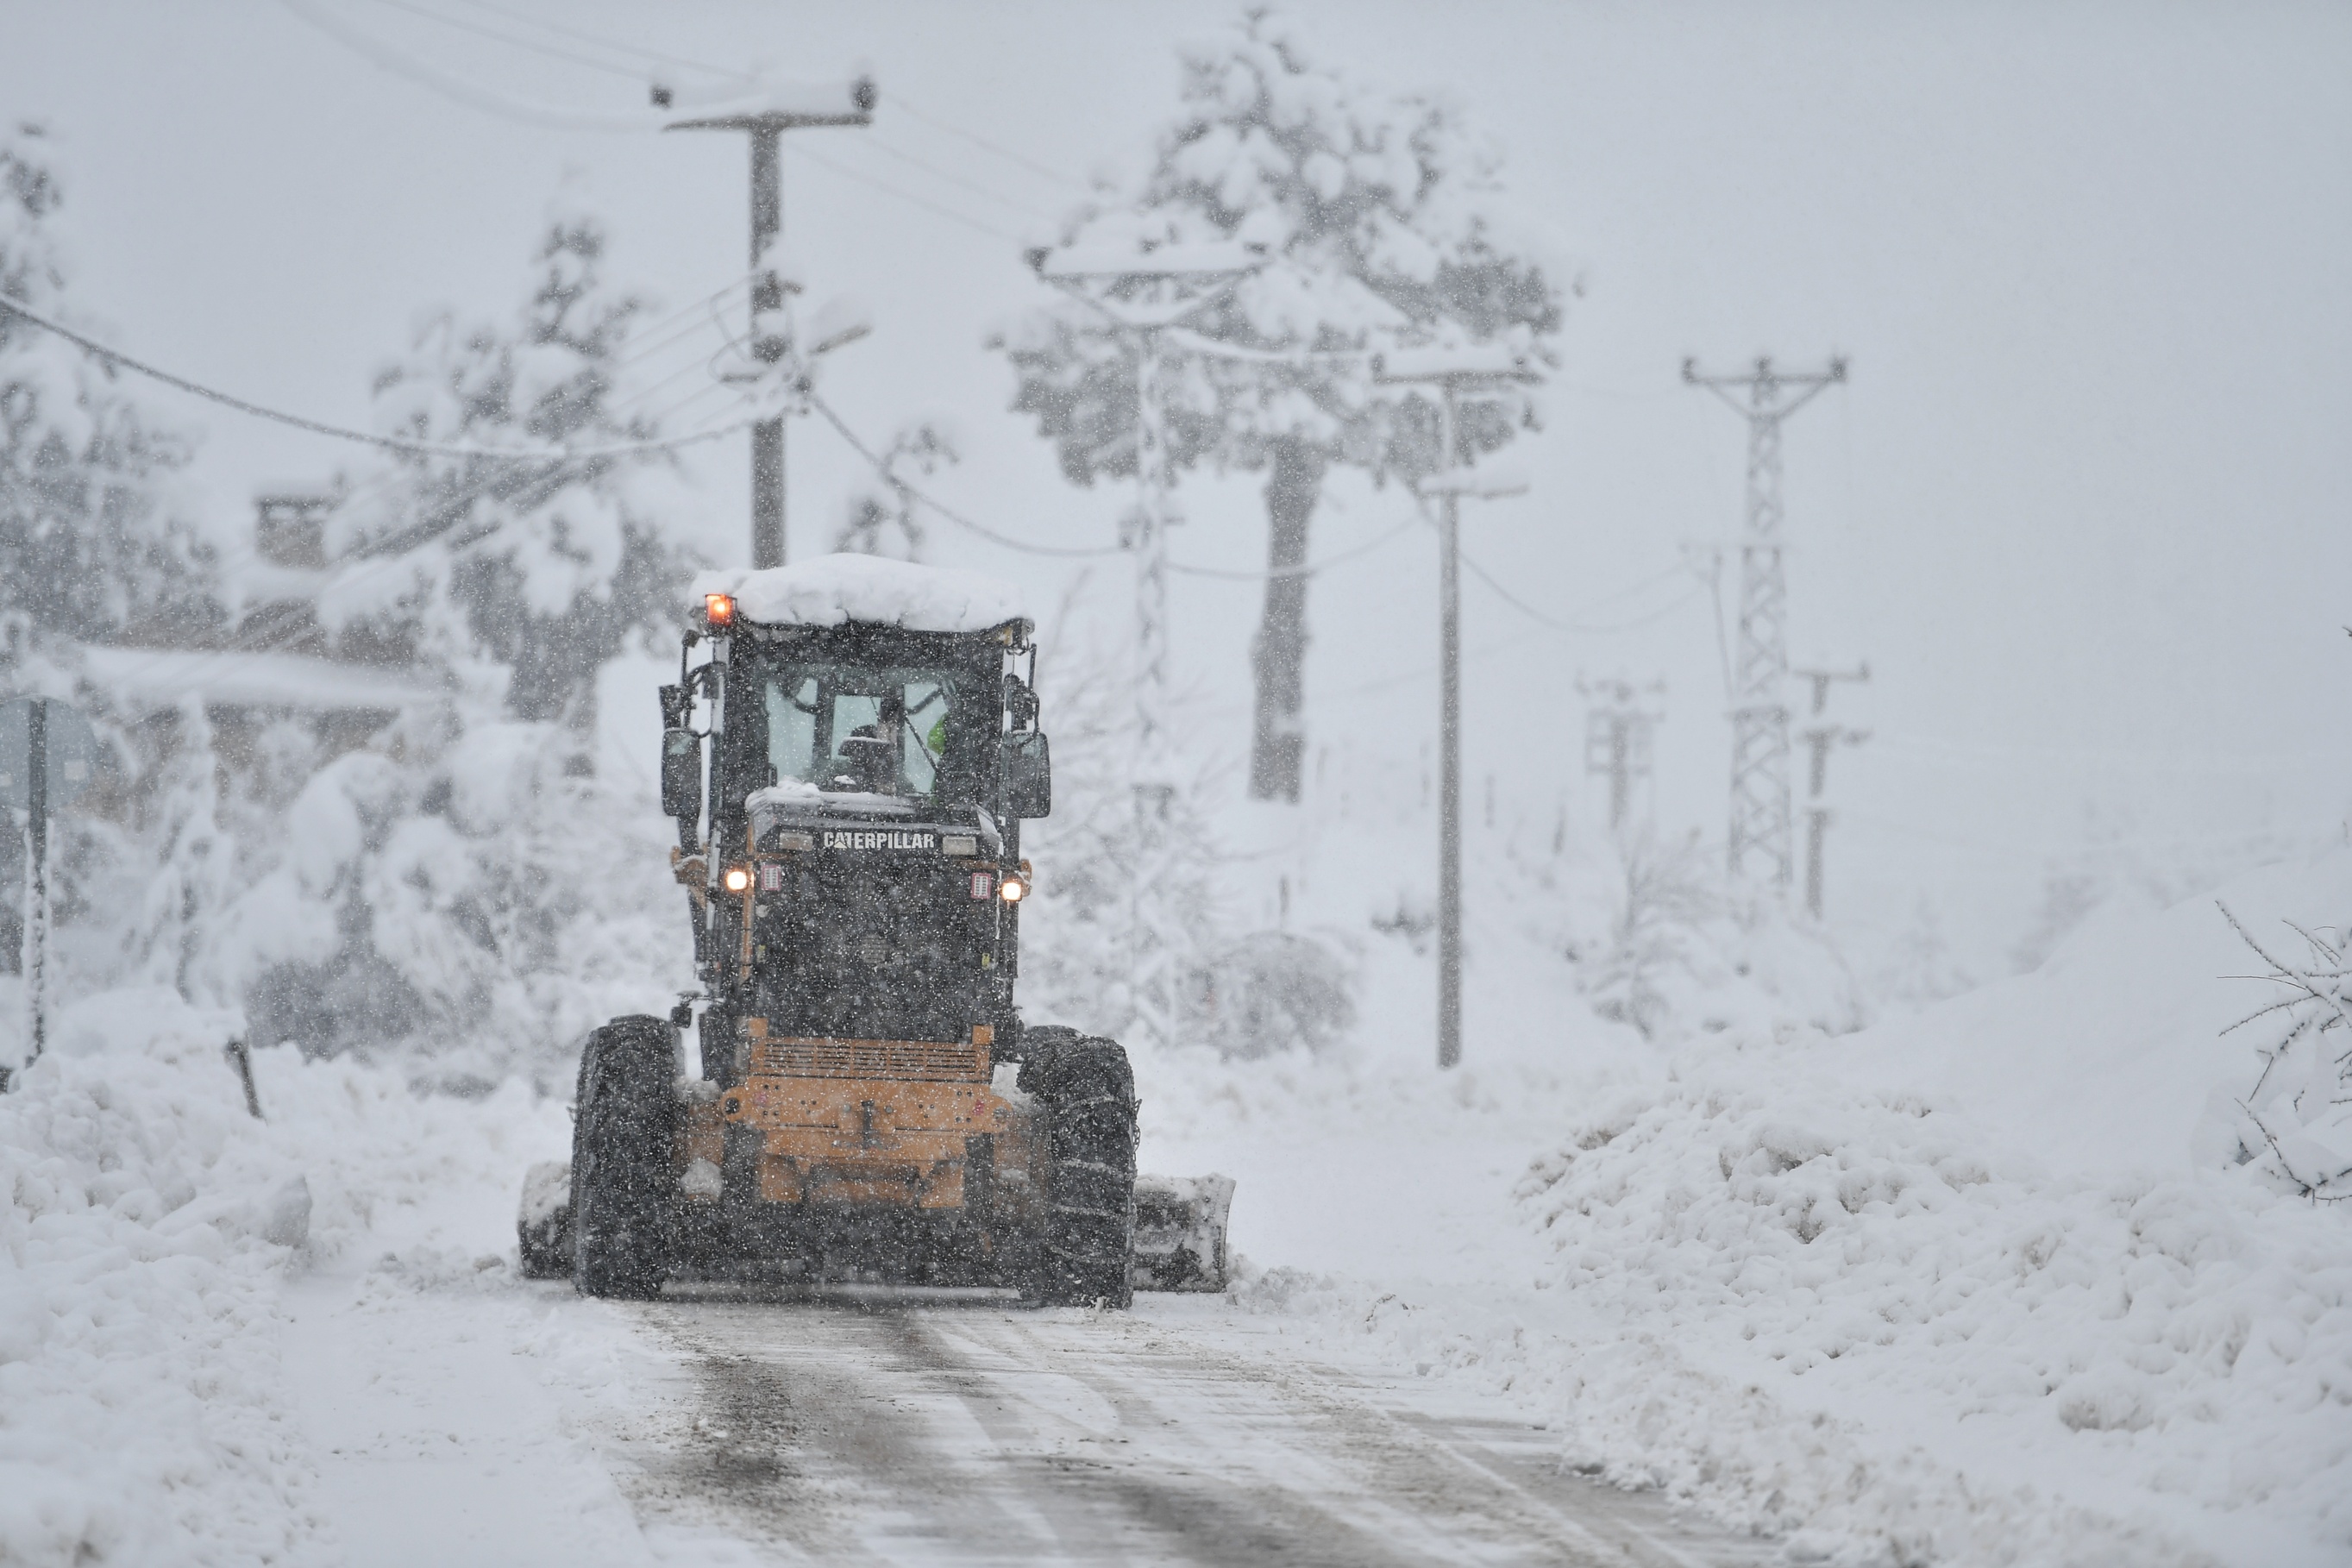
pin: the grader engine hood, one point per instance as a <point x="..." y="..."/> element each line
<point x="872" y="928"/>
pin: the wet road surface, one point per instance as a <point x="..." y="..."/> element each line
<point x="885" y="1429"/>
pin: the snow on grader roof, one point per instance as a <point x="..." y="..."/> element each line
<point x="834" y="589"/>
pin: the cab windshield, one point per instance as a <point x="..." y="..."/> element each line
<point x="876" y="730"/>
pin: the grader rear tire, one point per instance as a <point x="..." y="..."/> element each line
<point x="624" y="1130"/>
<point x="1087" y="1251"/>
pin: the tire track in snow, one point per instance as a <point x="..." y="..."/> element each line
<point x="919" y="1432"/>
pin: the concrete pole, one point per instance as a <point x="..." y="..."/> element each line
<point x="767" y="294"/>
<point x="1449" y="789"/>
<point x="1620" y="769"/>
<point x="36" y="874"/>
<point x="766" y="128"/>
<point x="1155" y="938"/>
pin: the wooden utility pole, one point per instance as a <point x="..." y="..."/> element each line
<point x="770" y="340"/>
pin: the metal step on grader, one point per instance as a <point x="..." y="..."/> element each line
<point x="865" y="1103"/>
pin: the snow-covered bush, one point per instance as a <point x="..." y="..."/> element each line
<point x="1267" y="993"/>
<point x="2295" y="1122"/>
<point x="1665" y="899"/>
<point x="463" y="895"/>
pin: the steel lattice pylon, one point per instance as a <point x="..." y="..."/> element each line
<point x="1761" y="843"/>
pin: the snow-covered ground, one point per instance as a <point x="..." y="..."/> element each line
<point x="1978" y="1284"/>
<point x="1972" y="1286"/>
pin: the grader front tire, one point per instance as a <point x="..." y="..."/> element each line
<point x="624" y="1129"/>
<point x="1085" y="1253"/>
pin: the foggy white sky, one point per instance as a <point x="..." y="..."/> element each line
<point x="2082" y="506"/>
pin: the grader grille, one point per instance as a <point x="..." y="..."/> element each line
<point x="903" y="1060"/>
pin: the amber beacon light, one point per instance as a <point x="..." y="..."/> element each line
<point x="718" y="609"/>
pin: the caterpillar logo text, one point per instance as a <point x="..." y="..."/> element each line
<point x="881" y="841"/>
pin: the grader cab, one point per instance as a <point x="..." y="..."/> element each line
<point x="865" y="1102"/>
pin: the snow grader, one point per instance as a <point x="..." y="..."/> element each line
<point x="865" y="1103"/>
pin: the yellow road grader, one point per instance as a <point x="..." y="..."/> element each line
<point x="865" y="1102"/>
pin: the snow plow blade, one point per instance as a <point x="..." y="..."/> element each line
<point x="1180" y="1232"/>
<point x="544" y="1224"/>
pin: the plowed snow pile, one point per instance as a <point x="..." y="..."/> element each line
<point x="146" y="1226"/>
<point x="1764" y="1240"/>
<point x="1989" y="1283"/>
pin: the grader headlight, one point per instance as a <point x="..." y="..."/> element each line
<point x="736" y="878"/>
<point x="1012" y="888"/>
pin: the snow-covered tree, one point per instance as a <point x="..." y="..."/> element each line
<point x="1665" y="898"/>
<point x="542" y="566"/>
<point x="881" y="516"/>
<point x="1380" y="218"/>
<point x="195" y="873"/>
<point x="89" y="547"/>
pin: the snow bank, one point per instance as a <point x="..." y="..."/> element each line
<point x="139" y="1416"/>
<point x="870" y="589"/>
<point x="1995" y="1246"/>
<point x="1762" y="1236"/>
<point x="1987" y="1283"/>
<point x="147" y="1225"/>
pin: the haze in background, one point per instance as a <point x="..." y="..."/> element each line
<point x="2081" y="506"/>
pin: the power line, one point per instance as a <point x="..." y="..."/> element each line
<point x="987" y="146"/>
<point x="847" y="172"/>
<point x="1578" y="627"/>
<point x="894" y="482"/>
<point x="1575" y="628"/>
<point x="319" y="428"/>
<point x="644" y="53"/>
<point x="1283" y="571"/>
<point x="959" y="181"/>
<point x="567" y="119"/>
<point x="479" y="31"/>
<point x="649" y="344"/>
<point x="639" y="50"/>
<point x="473" y="97"/>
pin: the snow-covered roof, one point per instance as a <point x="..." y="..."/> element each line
<point x="834" y="589"/>
<point x="259" y="679"/>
